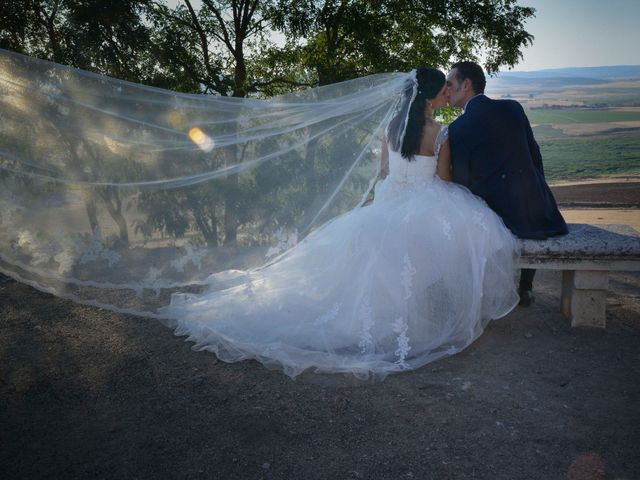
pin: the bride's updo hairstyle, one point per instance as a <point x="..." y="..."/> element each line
<point x="430" y="82"/>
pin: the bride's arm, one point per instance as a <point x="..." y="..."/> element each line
<point x="444" y="162"/>
<point x="384" y="160"/>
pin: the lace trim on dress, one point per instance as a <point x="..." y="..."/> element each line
<point x="442" y="137"/>
<point x="366" y="317"/>
<point x="407" y="275"/>
<point x="400" y="326"/>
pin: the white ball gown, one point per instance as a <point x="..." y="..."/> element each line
<point x="384" y="288"/>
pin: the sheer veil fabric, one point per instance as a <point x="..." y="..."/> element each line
<point x="116" y="194"/>
<point x="240" y="222"/>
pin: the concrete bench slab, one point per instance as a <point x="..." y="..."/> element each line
<point x="585" y="256"/>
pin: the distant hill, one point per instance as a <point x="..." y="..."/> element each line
<point x="559" y="78"/>
<point x="616" y="72"/>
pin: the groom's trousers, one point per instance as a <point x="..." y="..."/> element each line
<point x="526" y="279"/>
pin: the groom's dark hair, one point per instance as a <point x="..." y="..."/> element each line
<point x="473" y="72"/>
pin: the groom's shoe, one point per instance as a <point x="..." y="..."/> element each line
<point x="526" y="298"/>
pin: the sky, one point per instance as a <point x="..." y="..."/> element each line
<point x="582" y="33"/>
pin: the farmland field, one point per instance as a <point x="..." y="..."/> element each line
<point x="587" y="142"/>
<point x="584" y="129"/>
<point x="565" y="115"/>
<point x="574" y="157"/>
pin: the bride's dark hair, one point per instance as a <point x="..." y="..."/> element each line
<point x="430" y="82"/>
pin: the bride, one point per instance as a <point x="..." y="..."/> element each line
<point x="384" y="288"/>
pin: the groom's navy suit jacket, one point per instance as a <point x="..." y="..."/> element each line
<point x="495" y="155"/>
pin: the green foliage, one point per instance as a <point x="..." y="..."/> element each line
<point x="226" y="46"/>
<point x="448" y="114"/>
<point x="340" y="40"/>
<point x="104" y="36"/>
<point x="212" y="49"/>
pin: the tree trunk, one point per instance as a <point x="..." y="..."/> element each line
<point x="209" y="229"/>
<point x="230" y="213"/>
<point x="115" y="210"/>
<point x="92" y="211"/>
<point x="230" y="216"/>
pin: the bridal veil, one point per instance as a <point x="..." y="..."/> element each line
<point x="116" y="194"/>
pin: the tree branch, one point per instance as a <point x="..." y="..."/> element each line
<point x="256" y="85"/>
<point x="216" y="12"/>
<point x="203" y="39"/>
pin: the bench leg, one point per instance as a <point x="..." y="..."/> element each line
<point x="584" y="297"/>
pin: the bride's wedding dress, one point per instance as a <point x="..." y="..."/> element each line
<point x="387" y="287"/>
<point x="119" y="195"/>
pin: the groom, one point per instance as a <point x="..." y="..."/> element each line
<point x="495" y="155"/>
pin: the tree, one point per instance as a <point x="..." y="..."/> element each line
<point x="216" y="48"/>
<point x="103" y="36"/>
<point x="213" y="50"/>
<point x="225" y="47"/>
<point x="345" y="39"/>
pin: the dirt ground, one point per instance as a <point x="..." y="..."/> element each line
<point x="589" y="194"/>
<point x="603" y="216"/>
<point x="92" y="394"/>
<point x="601" y="201"/>
<point x="86" y="393"/>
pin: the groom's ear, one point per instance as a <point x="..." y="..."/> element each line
<point x="467" y="85"/>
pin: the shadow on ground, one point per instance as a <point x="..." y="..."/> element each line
<point x="89" y="393"/>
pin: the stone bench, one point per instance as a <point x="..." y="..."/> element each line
<point x="585" y="256"/>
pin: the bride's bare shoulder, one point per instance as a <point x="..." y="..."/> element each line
<point x="430" y="132"/>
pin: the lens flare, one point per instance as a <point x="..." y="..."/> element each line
<point x="201" y="139"/>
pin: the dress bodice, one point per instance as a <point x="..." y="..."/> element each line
<point x="421" y="168"/>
